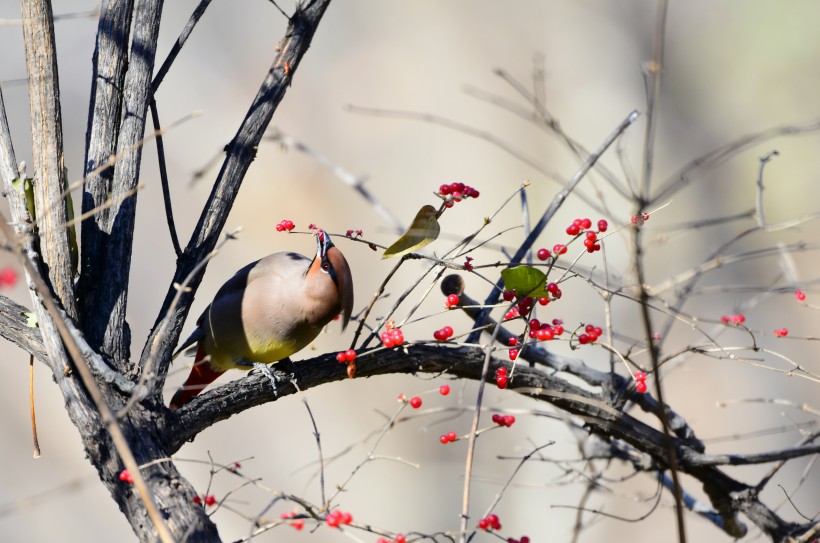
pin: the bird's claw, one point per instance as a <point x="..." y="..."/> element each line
<point x="276" y="377"/>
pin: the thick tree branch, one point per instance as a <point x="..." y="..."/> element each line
<point x="108" y="330"/>
<point x="47" y="151"/>
<point x="728" y="496"/>
<point x="104" y="116"/>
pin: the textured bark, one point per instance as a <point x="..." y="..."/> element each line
<point x="47" y="149"/>
<point x="109" y="65"/>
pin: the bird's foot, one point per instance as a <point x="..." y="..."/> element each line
<point x="276" y="376"/>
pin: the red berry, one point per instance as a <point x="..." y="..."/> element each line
<point x="543" y="301"/>
<point x="501" y="371"/>
<point x="415" y="402"/>
<point x="451" y="436"/>
<point x="197" y="500"/>
<point x="508" y="295"/>
<point x="586" y="223"/>
<point x="559" y="249"/>
<point x="583" y="339"/>
<point x="279" y="227"/>
<point x="535" y="324"/>
<point x="513" y="354"/>
<point x="591" y="235"/>
<point x="574" y="229"/>
<point x="439" y="335"/>
<point x="444" y="190"/>
<point x="126" y="477"/>
<point x="508" y="420"/>
<point x="512" y="342"/>
<point x="800" y="295"/>
<point x="448" y="330"/>
<point x="8" y="277"/>
<point x="640" y="386"/>
<point x="602" y="225"/>
<point x="400" y="538"/>
<point x="347" y="518"/>
<point x="639" y="376"/>
<point x="444" y="390"/>
<point x="483" y="524"/>
<point x="444" y="439"/>
<point x="493" y="520"/>
<point x="552" y="288"/>
<point x="498" y="419"/>
<point x="781" y="332"/>
<point x="452" y="300"/>
<point x="210" y="500"/>
<point x="543" y="254"/>
<point x="501" y="381"/>
<point x="350" y="355"/>
<point x="333" y="520"/>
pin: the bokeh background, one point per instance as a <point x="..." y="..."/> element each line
<point x="732" y="68"/>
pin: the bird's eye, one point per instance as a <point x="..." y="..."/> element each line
<point x="325" y="266"/>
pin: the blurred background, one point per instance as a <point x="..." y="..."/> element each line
<point x="732" y="68"/>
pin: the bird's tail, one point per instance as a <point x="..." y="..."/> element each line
<point x="202" y="374"/>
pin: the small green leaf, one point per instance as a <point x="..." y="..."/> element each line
<point x="525" y="281"/>
<point x="31" y="319"/>
<point x="422" y="232"/>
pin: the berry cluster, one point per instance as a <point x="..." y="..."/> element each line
<point x="501" y="373"/>
<point x="348" y="357"/>
<point x="734" y="320"/>
<point x="398" y="539"/>
<point x="503" y="420"/>
<point x="590" y="335"/>
<point x="490" y="522"/>
<point x="640" y="381"/>
<point x="455" y="192"/>
<point x="781" y="332"/>
<point x="544" y="331"/>
<point x="209" y="500"/>
<point x="449" y="437"/>
<point x="799" y="294"/>
<point x="336" y="518"/>
<point x="451" y="301"/>
<point x="298" y="524"/>
<point x="126" y="477"/>
<point x="285" y="225"/>
<point x="444" y="334"/>
<point x="591" y="236"/>
<point x="354" y="233"/>
<point x="392" y="337"/>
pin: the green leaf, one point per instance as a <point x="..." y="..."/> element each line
<point x="31" y="319"/>
<point x="422" y="232"/>
<point x="525" y="281"/>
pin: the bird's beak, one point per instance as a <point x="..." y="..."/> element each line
<point x="339" y="272"/>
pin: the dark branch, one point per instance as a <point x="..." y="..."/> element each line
<point x="728" y="496"/>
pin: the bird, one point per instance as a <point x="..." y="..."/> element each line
<point x="267" y="311"/>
